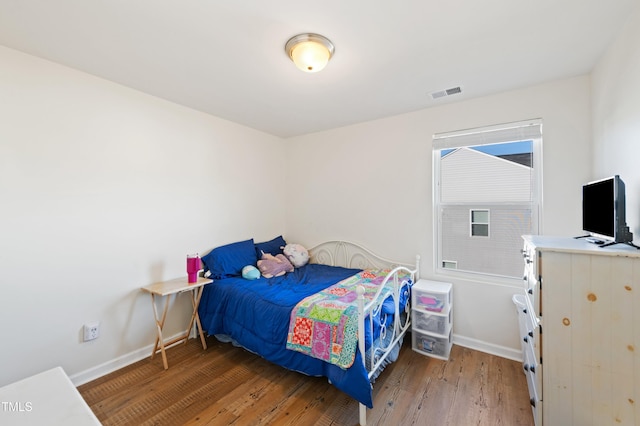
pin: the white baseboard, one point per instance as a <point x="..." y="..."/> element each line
<point x="490" y="348"/>
<point x="135" y="356"/>
<point x="115" y="364"/>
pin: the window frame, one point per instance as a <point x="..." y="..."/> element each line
<point x="472" y="222"/>
<point x="521" y="127"/>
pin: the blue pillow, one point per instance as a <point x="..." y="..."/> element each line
<point x="228" y="260"/>
<point x="271" y="247"/>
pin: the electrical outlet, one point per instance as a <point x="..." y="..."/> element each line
<point x="91" y="330"/>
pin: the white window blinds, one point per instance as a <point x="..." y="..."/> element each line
<point x="518" y="131"/>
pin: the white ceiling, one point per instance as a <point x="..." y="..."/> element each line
<point x="227" y="58"/>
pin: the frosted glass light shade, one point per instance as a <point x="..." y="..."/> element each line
<point x="309" y="52"/>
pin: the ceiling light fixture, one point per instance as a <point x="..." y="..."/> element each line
<point x="310" y="52"/>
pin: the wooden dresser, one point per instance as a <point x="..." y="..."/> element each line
<point x="580" y="331"/>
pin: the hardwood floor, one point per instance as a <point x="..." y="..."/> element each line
<point x="227" y="385"/>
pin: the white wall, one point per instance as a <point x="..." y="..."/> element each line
<point x="616" y="116"/>
<point x="379" y="175"/>
<point x="103" y="190"/>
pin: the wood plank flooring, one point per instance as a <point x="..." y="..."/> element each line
<point x="225" y="385"/>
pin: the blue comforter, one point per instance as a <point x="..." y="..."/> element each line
<point x="256" y="314"/>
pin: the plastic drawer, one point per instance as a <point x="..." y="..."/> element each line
<point x="431" y="296"/>
<point x="431" y="322"/>
<point x="428" y="344"/>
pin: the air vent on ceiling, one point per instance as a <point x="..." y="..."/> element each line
<point x="447" y="92"/>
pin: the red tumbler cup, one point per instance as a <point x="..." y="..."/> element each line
<point x="193" y="266"/>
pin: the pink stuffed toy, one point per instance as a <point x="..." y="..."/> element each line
<point x="274" y="266"/>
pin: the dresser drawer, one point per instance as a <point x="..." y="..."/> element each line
<point x="533" y="369"/>
<point x="533" y="373"/>
<point x="531" y="278"/>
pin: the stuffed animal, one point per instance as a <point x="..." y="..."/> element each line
<point x="297" y="255"/>
<point x="250" y="272"/>
<point x="274" y="266"/>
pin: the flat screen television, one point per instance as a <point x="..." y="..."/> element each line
<point x="603" y="210"/>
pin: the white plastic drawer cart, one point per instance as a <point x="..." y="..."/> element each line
<point x="431" y="318"/>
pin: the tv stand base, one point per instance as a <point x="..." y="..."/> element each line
<point x="601" y="243"/>
<point x="629" y="243"/>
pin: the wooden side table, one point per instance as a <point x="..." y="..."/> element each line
<point x="174" y="287"/>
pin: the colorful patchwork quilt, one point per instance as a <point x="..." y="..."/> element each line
<point x="325" y="325"/>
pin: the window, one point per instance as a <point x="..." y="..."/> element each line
<point x="479" y="223"/>
<point x="487" y="186"/>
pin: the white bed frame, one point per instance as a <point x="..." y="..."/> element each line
<point x="351" y="255"/>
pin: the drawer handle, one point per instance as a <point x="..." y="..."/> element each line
<point x="530" y="334"/>
<point x="532" y="368"/>
<point x="526" y="367"/>
<point x="530" y="291"/>
<point x="533" y="402"/>
<point x="526" y="339"/>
